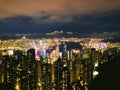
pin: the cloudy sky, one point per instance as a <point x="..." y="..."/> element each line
<point x="49" y="15"/>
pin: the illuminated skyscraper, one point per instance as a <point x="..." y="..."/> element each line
<point x="58" y="74"/>
<point x="46" y="75"/>
<point x="87" y="66"/>
<point x="62" y="75"/>
<point x="8" y="70"/>
<point x="65" y="69"/>
<point x="31" y="69"/>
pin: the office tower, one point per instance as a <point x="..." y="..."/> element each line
<point x="58" y="74"/>
<point x="87" y="67"/>
<point x="72" y="69"/>
<point x="39" y="75"/>
<point x="65" y="70"/>
<point x="76" y="70"/>
<point x="20" y="63"/>
<point x="31" y="55"/>
<point x="6" y="64"/>
<point x="1" y="68"/>
<point x="112" y="52"/>
<point x="62" y="75"/>
<point x="46" y="75"/>
<point x="95" y="56"/>
<point x="1" y="71"/>
<point x="8" y="68"/>
<point x="31" y="69"/>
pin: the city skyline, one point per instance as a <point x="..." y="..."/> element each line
<point x="54" y="64"/>
<point x="59" y="44"/>
<point x="37" y="16"/>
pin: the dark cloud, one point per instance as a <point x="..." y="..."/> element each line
<point x="92" y="22"/>
<point x="59" y="10"/>
<point x="70" y="15"/>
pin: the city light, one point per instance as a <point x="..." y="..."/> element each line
<point x="95" y="73"/>
<point x="49" y="63"/>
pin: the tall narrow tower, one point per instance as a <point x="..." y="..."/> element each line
<point x="65" y="70"/>
<point x="31" y="69"/>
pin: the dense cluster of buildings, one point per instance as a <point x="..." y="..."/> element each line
<point x="52" y="68"/>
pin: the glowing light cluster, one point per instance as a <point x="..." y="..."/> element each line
<point x="39" y="47"/>
<point x="98" y="45"/>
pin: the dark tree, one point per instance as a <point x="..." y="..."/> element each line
<point x="6" y="86"/>
<point x="109" y="76"/>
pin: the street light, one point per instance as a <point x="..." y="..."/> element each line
<point x="95" y="73"/>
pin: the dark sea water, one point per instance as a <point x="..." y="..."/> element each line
<point x="70" y="45"/>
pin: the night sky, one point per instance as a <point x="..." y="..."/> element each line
<point x="42" y="16"/>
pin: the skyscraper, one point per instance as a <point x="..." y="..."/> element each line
<point x="62" y="77"/>
<point x="31" y="69"/>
